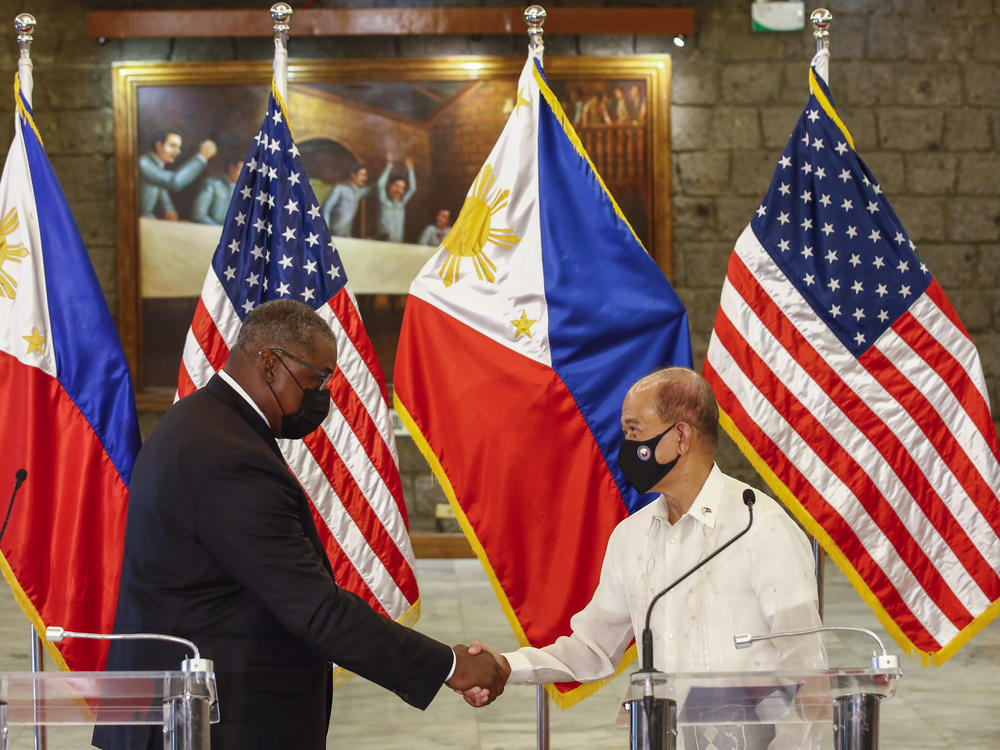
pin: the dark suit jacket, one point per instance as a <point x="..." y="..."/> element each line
<point x="221" y="548"/>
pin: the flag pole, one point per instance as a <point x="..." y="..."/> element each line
<point x="821" y="19"/>
<point x="24" y="24"/>
<point x="534" y="16"/>
<point x="37" y="666"/>
<point x="281" y="13"/>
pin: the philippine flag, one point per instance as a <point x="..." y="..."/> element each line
<point x="68" y="414"/>
<point x="520" y="338"/>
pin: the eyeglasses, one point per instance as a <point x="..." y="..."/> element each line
<point x="322" y="373"/>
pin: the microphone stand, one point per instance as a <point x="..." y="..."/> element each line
<point x="19" y="478"/>
<point x="652" y="715"/>
<point x="35" y="645"/>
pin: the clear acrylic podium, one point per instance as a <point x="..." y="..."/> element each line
<point x="183" y="702"/>
<point x="758" y="710"/>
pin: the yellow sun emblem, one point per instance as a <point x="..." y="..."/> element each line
<point x="473" y="230"/>
<point x="13" y="253"/>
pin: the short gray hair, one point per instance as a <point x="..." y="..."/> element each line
<point x="282" y="323"/>
<point x="682" y="395"/>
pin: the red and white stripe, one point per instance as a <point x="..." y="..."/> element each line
<point x="348" y="467"/>
<point x="893" y="453"/>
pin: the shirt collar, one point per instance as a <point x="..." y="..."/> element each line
<point x="705" y="507"/>
<point x="243" y="394"/>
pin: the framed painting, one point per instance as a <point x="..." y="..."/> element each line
<point x="422" y="127"/>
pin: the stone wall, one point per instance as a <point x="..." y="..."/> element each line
<point x="916" y="82"/>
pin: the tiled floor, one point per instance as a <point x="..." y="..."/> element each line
<point x="954" y="706"/>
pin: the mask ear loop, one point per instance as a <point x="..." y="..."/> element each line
<point x="268" y="384"/>
<point x="660" y="438"/>
<point x="290" y="374"/>
<point x="275" y="395"/>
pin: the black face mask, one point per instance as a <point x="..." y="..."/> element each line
<point x="311" y="413"/>
<point x="638" y="463"/>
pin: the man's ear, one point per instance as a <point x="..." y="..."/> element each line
<point x="268" y="358"/>
<point x="685" y="432"/>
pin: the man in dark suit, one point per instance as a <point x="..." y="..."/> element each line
<point x="221" y="548"/>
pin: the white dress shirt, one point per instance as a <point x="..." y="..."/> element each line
<point x="763" y="583"/>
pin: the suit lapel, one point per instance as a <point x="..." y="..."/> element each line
<point x="220" y="388"/>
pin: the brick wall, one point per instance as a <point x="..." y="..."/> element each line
<point x="916" y="82"/>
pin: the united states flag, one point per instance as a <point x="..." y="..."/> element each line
<point x="276" y="245"/>
<point x="845" y="375"/>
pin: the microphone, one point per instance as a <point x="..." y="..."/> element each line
<point x="19" y="478"/>
<point x="647" y="634"/>
<point x="197" y="663"/>
<point x="885" y="661"/>
<point x="56" y="634"/>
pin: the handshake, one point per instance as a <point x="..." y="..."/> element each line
<point x="480" y="673"/>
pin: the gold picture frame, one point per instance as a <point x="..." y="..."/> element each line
<point x="443" y="113"/>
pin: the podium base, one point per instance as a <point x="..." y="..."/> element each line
<point x="652" y="723"/>
<point x="855" y="722"/>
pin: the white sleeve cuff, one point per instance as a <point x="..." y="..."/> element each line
<point x="454" y="663"/>
<point x="520" y="668"/>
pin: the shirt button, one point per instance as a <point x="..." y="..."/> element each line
<point x="670" y="636"/>
<point x="673" y="540"/>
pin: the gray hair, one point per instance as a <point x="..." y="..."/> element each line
<point x="682" y="395"/>
<point x="282" y="323"/>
